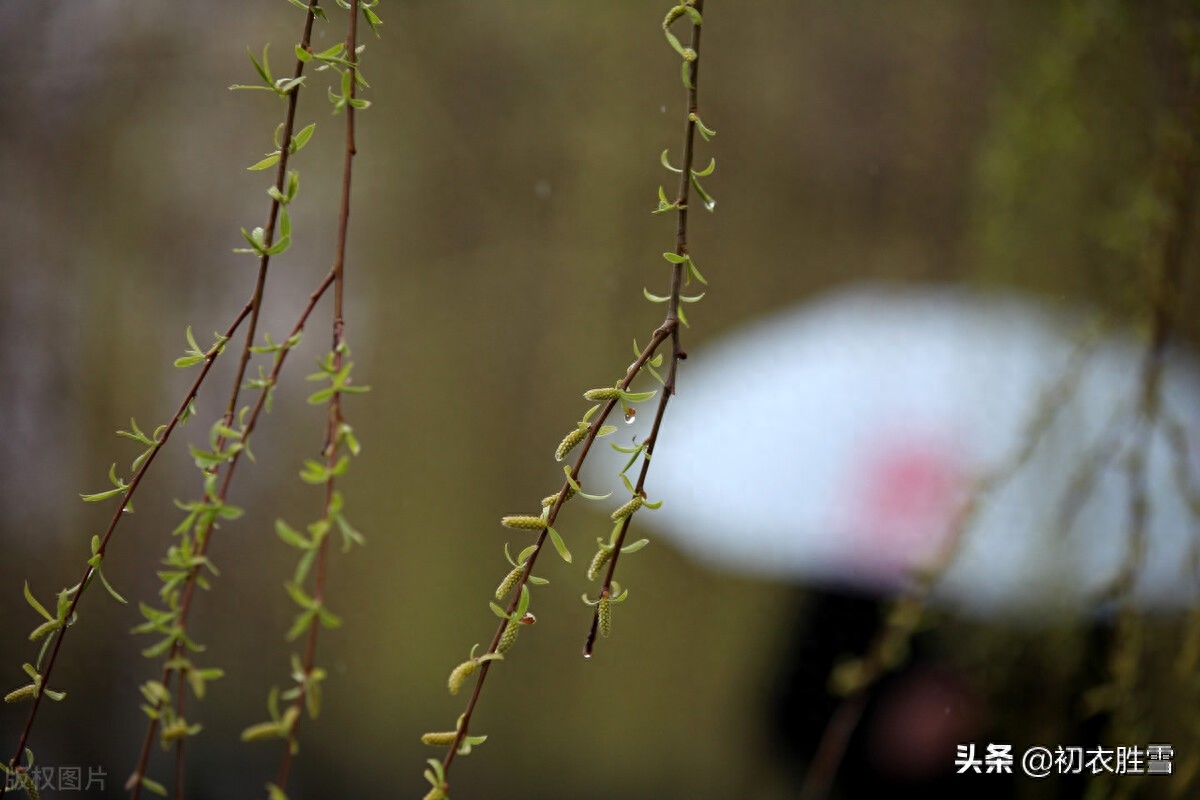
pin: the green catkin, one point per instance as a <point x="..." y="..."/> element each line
<point x="29" y="785"/>
<point x="439" y="739"/>
<point x="509" y="636"/>
<point x="24" y="693"/>
<point x="174" y="731"/>
<point x="524" y="522"/>
<point x="624" y="511"/>
<point x="460" y="674"/>
<point x="602" y="557"/>
<point x="568" y="443"/>
<point x="604" y="615"/>
<point x="261" y="731"/>
<point x="549" y="499"/>
<point x="436" y="793"/>
<point x="43" y="629"/>
<point x="609" y="393"/>
<point x="510" y="580"/>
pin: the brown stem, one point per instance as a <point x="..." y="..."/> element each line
<point x="828" y="758"/>
<point x="335" y="404"/>
<point x="203" y="539"/>
<point x="281" y="171"/>
<point x="254" y="308"/>
<point x="117" y="516"/>
<point x="1178" y="170"/>
<point x="677" y="279"/>
<point x="656" y="339"/>
<point x="668" y="329"/>
<point x="180" y="705"/>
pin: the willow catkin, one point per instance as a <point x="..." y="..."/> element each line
<point x="604" y="615"/>
<point x="510" y="580"/>
<point x="26" y="692"/>
<point x="509" y="636"/>
<point x="568" y="443"/>
<point x="439" y="739"/>
<point x="460" y="674"/>
<point x="624" y="511"/>
<point x="599" y="561"/>
<point x="524" y="522"/>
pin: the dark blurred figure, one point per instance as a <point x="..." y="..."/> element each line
<point x="913" y="719"/>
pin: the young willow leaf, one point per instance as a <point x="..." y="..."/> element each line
<point x="266" y="163"/>
<point x="113" y="593"/>
<point x="633" y="548"/>
<point x="560" y="545"/>
<point x="35" y="605"/>
<point x="704" y="173"/>
<point x="301" y="138"/>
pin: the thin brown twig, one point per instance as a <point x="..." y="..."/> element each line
<point x="668" y="329"/>
<point x="677" y="352"/>
<point x="117" y="516"/>
<point x="254" y="306"/>
<point x="659" y="336"/>
<point x="889" y="644"/>
<point x="1178" y="172"/>
<point x="335" y="406"/>
<point x="134" y="783"/>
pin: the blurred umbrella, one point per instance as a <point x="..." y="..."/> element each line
<point x="836" y="443"/>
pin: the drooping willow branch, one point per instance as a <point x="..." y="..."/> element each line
<point x="601" y="619"/>
<point x="1128" y="433"/>
<point x="191" y="557"/>
<point x="67" y="610"/>
<point x="337" y="433"/>
<point x="592" y="426"/>
<point x="523" y="577"/>
<point x="1175" y="182"/>
<point x="179" y="631"/>
<point x="101" y="544"/>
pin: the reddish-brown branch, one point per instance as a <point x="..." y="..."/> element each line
<point x="117" y="516"/>
<point x="335" y="402"/>
<point x="254" y="308"/>
<point x="203" y="539"/>
<point x="677" y="353"/>
<point x="658" y="337"/>
<point x="668" y="329"/>
<point x="281" y="171"/>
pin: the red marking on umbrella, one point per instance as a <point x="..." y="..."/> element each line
<point x="908" y="492"/>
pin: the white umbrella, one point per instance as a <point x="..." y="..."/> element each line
<point x="836" y="443"/>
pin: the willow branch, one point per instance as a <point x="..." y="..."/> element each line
<point x="117" y="516"/>
<point x="335" y="402"/>
<point x="254" y="308"/>
<point x="669" y="329"/>
<point x="134" y="783"/>
<point x="677" y="352"/>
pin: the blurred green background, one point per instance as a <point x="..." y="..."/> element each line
<point x="500" y="239"/>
